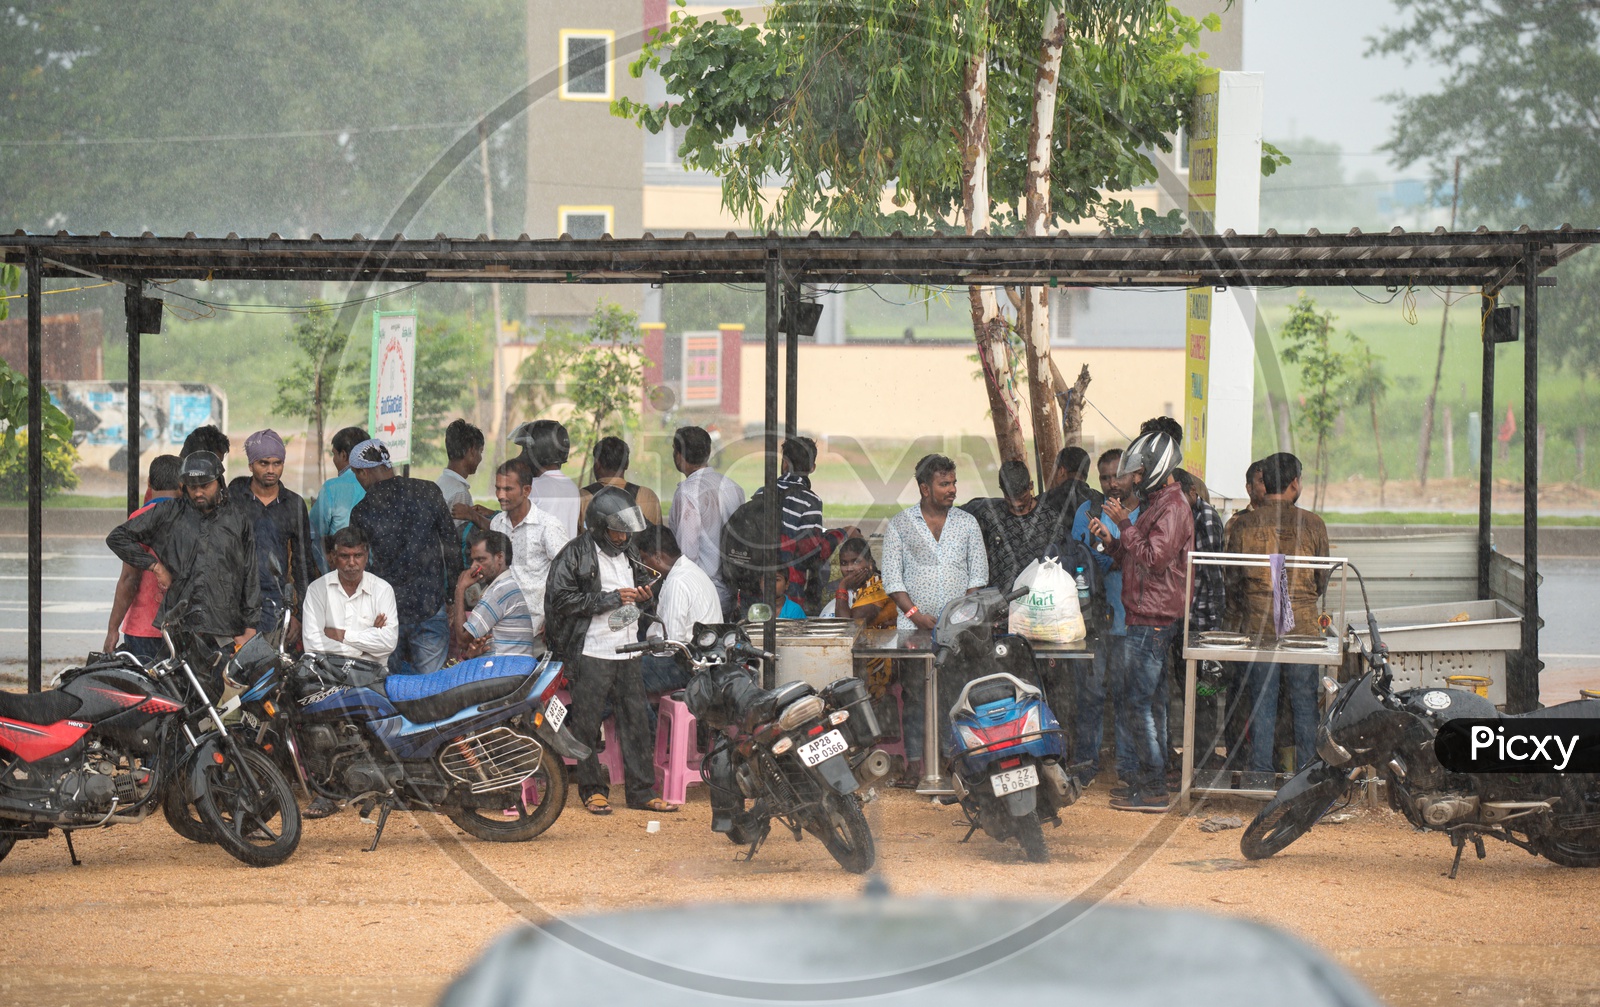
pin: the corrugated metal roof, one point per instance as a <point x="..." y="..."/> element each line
<point x="1482" y="258"/>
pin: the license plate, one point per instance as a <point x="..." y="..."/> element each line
<point x="555" y="713"/>
<point x="824" y="748"/>
<point x="1013" y="780"/>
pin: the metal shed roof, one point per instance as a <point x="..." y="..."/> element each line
<point x="1482" y="258"/>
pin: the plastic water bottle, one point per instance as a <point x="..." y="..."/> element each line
<point x="1083" y="588"/>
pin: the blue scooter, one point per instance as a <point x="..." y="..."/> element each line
<point x="482" y="741"/>
<point x="1007" y="763"/>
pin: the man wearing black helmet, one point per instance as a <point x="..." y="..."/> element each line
<point x="201" y="550"/>
<point x="590" y="582"/>
<point x="1152" y="554"/>
<point x="546" y="447"/>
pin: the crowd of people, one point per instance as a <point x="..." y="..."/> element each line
<point x="414" y="574"/>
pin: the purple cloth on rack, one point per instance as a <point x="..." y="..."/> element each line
<point x="1282" y="611"/>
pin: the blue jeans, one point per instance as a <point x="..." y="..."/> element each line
<point x="913" y="708"/>
<point x="423" y="646"/>
<point x="1261" y="685"/>
<point x="661" y="675"/>
<point x="1095" y="680"/>
<point x="1145" y="657"/>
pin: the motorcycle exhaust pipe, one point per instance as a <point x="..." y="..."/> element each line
<point x="874" y="767"/>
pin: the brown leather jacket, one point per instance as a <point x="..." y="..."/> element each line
<point x="1153" y="554"/>
<point x="1275" y="526"/>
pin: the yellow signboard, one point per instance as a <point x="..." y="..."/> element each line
<point x="1197" y="301"/>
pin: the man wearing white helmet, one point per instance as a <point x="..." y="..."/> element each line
<point x="1151" y="554"/>
<point x="546" y="447"/>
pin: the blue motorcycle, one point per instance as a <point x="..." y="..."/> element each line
<point x="481" y="742"/>
<point x="1007" y="765"/>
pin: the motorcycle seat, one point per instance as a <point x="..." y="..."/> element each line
<point x="38" y="707"/>
<point x="444" y="693"/>
<point x="1578" y="709"/>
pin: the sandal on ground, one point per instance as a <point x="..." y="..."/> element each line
<point x="655" y="804"/>
<point x="597" y="805"/>
<point x="320" y="807"/>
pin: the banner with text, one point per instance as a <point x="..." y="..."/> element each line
<point x="394" y="356"/>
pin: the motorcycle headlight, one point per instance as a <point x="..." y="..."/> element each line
<point x="963" y="613"/>
<point x="800" y="711"/>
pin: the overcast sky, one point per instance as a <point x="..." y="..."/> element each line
<point x="1318" y="82"/>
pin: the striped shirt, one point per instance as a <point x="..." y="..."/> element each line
<point x="502" y="612"/>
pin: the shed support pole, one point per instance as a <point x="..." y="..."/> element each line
<point x="769" y="632"/>
<point x="791" y="365"/>
<point x="1485" y="447"/>
<point x="35" y="266"/>
<point x="1522" y="687"/>
<point x="135" y="426"/>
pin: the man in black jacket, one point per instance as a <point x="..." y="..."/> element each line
<point x="590" y="581"/>
<point x="282" y="528"/>
<point x="202" y="551"/>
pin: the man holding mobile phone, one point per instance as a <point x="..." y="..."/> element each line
<point x="501" y="622"/>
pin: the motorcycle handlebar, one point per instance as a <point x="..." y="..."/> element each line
<point x="635" y="648"/>
<point x="1021" y="592"/>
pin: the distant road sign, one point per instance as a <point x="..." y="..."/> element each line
<point x="394" y="357"/>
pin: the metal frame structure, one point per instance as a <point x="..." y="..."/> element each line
<point x="1488" y="260"/>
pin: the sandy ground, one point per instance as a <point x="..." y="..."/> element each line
<point x="174" y="922"/>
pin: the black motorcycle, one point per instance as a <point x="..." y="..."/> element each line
<point x="1554" y="815"/>
<point x="1007" y="762"/>
<point x="795" y="755"/>
<point x="115" y="739"/>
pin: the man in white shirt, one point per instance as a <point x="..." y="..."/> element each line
<point x="545" y="446"/>
<point x="536" y="537"/>
<point x="685" y="597"/>
<point x="501" y="621"/>
<point x="463" y="446"/>
<point x="349" y="612"/>
<point x="701" y="506"/>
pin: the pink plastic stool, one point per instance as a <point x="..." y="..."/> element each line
<point x="610" y="750"/>
<point x="677" y="755"/>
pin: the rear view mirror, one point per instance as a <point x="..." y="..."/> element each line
<point x="619" y="618"/>
<point x="275" y="566"/>
<point x="759" y="612"/>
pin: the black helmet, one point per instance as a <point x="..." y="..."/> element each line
<point x="199" y="468"/>
<point x="544" y="442"/>
<point x="612" y="509"/>
<point x="1157" y="454"/>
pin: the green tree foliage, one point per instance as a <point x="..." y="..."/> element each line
<point x="1369" y="386"/>
<point x="598" y="372"/>
<point x="292" y="116"/>
<point x="1520" y="85"/>
<point x="10" y="276"/>
<point x="310" y="389"/>
<point x="451" y="359"/>
<point x="59" y="454"/>
<point x="1307" y="343"/>
<point x="838" y="101"/>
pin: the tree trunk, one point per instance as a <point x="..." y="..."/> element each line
<point x="319" y="415"/>
<point x="1072" y="401"/>
<point x="1425" y="448"/>
<point x="1377" y="438"/>
<point x="1036" y="223"/>
<point x="988" y="329"/>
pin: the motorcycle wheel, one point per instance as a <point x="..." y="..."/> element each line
<point x="1288" y="817"/>
<point x="843" y="830"/>
<point x="259" y="827"/>
<point x="1030" y="833"/>
<point x="177" y="805"/>
<point x="1569" y="847"/>
<point x="493" y="826"/>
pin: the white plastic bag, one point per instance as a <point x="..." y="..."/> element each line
<point x="1049" y="611"/>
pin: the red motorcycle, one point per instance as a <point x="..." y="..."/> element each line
<point x="115" y="740"/>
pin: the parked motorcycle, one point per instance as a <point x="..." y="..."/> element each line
<point x="481" y="742"/>
<point x="795" y="755"/>
<point x="115" y="739"/>
<point x="1007" y="764"/>
<point x="1554" y="815"/>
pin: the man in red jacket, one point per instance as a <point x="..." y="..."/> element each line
<point x="1151" y="554"/>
